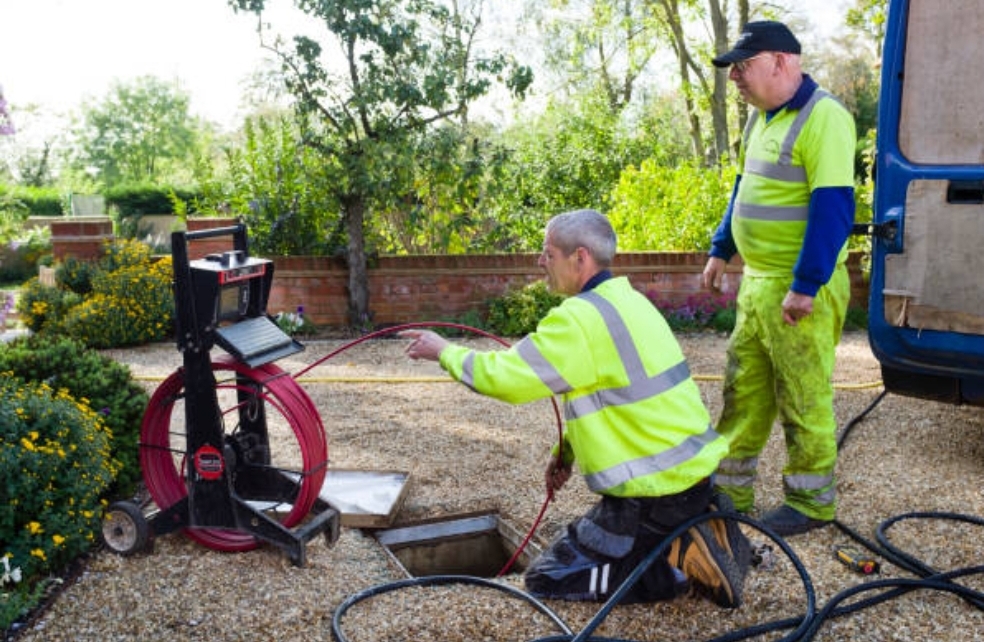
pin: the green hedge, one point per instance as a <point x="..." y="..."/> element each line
<point x="140" y="200"/>
<point x="38" y="201"/>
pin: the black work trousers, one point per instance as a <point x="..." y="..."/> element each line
<point x="598" y="551"/>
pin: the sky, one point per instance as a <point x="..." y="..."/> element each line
<point x="57" y="53"/>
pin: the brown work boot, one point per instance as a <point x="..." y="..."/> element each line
<point x="714" y="555"/>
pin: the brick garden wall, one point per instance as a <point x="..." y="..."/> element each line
<point x="445" y="287"/>
<point x="433" y="287"/>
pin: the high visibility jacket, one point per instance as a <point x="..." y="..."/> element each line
<point x="784" y="160"/>
<point x="635" y="421"/>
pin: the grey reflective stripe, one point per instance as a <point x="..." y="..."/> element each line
<point x="640" y="386"/>
<point x="468" y="370"/>
<point x="626" y="347"/>
<point x="747" y="465"/>
<point x="629" y="470"/>
<point x="772" y="212"/>
<point x="735" y="481"/>
<point x="635" y="391"/>
<point x="826" y="498"/>
<point x="601" y="540"/>
<point x="783" y="169"/>
<point x="807" y="482"/>
<point x="786" y="153"/>
<point x="788" y="173"/>
<point x="749" y="124"/>
<point x="543" y="369"/>
<point x="737" y="472"/>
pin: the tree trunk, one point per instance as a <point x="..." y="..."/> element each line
<point x="719" y="96"/>
<point x="359" y="315"/>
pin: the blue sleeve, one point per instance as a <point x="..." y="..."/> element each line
<point x="829" y="225"/>
<point x="722" y="243"/>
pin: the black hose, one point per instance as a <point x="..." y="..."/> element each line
<point x="800" y="624"/>
<point x="439" y="580"/>
<point x="849" y="426"/>
<point x="901" y="586"/>
<point x="680" y="530"/>
<point x="805" y="627"/>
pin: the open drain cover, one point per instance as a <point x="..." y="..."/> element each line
<point x="475" y="545"/>
<point x="365" y="498"/>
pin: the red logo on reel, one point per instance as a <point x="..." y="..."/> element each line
<point x="209" y="463"/>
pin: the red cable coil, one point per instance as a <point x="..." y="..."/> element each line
<point x="166" y="482"/>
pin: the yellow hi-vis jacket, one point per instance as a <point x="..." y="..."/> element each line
<point x="635" y="421"/>
<point x="784" y="160"/>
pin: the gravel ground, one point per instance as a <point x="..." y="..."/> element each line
<point x="467" y="453"/>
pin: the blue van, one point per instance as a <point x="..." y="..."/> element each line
<point x="926" y="308"/>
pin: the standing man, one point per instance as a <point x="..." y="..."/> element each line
<point x="791" y="212"/>
<point x="635" y="424"/>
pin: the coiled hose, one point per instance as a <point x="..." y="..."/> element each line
<point x="804" y="627"/>
<point x="165" y="478"/>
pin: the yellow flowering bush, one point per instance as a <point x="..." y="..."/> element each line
<point x="123" y="299"/>
<point x="86" y="374"/>
<point x="130" y="305"/>
<point x="41" y="307"/>
<point x="55" y="464"/>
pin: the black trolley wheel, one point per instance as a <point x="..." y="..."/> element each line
<point x="125" y="530"/>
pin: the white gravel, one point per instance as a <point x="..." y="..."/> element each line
<point x="467" y="453"/>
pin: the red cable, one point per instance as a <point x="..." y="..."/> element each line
<point x="166" y="482"/>
<point x="456" y="326"/>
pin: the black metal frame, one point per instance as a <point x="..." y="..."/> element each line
<point x="222" y="469"/>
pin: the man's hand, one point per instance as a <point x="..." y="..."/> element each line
<point x="557" y="475"/>
<point x="425" y="345"/>
<point x="713" y="274"/>
<point x="796" y="306"/>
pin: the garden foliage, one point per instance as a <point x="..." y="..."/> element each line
<point x="517" y="313"/>
<point x="107" y="385"/>
<point x="657" y="208"/>
<point x="123" y="299"/>
<point x="55" y="464"/>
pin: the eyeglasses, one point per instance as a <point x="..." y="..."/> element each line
<point x="742" y="65"/>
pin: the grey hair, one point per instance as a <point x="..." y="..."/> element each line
<point x="589" y="229"/>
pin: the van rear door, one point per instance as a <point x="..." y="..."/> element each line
<point x="926" y="309"/>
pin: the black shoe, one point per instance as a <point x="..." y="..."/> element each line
<point x="786" y="520"/>
<point x="712" y="571"/>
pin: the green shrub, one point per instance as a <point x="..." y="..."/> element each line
<point x="75" y="275"/>
<point x="86" y="374"/>
<point x="55" y="463"/>
<point x="41" y="307"/>
<point x="856" y="319"/>
<point x="135" y="200"/>
<point x="669" y="208"/>
<point x="700" y="311"/>
<point x="126" y="298"/>
<point x="518" y="312"/>
<point x="128" y="306"/>
<point x="36" y="201"/>
<point x="21" y="256"/>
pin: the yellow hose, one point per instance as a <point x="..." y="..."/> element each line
<point x="403" y="380"/>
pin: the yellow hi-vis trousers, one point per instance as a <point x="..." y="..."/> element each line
<point x="777" y="370"/>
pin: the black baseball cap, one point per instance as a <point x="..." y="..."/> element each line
<point x="756" y="37"/>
